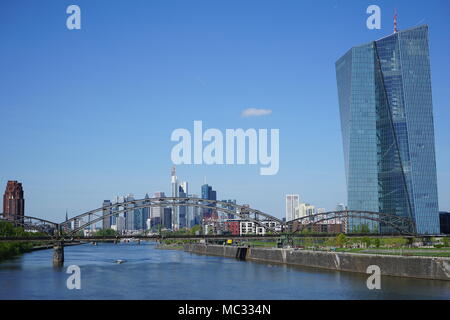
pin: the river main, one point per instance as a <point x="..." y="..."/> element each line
<point x="149" y="273"/>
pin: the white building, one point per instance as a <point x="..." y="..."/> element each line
<point x="301" y="211"/>
<point x="292" y="205"/>
<point x="309" y="209"/>
<point x="249" y="227"/>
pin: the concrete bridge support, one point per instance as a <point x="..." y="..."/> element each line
<point x="58" y="254"/>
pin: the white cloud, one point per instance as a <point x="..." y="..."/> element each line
<point x="254" y="112"/>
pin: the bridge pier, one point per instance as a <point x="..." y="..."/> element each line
<point x="58" y="254"/>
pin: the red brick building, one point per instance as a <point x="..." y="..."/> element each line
<point x="13" y="201"/>
<point x="320" y="227"/>
<point x="233" y="227"/>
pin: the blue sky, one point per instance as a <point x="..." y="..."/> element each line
<point x="87" y="114"/>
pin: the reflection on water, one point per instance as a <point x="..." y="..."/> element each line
<point x="149" y="273"/>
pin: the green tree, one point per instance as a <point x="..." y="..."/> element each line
<point x="6" y="229"/>
<point x="306" y="231"/>
<point x="195" y="228"/>
<point x="362" y="228"/>
<point x="10" y="249"/>
<point x="106" y="233"/>
<point x="341" y="240"/>
<point x="446" y="242"/>
<point x="377" y="242"/>
<point x="367" y="241"/>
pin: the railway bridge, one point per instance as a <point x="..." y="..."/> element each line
<point x="59" y="233"/>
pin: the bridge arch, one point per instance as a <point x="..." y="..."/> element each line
<point x="401" y="224"/>
<point x="241" y="211"/>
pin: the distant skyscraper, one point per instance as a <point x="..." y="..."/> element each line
<point x="292" y="204"/>
<point x="182" y="210"/>
<point x="193" y="216"/>
<point x="167" y="218"/>
<point x="107" y="219"/>
<point x="387" y="127"/>
<point x="175" y="191"/>
<point x="76" y="224"/>
<point x="13" y="202"/>
<point x="209" y="194"/>
<point x="120" y="224"/>
<point x="230" y="207"/>
<point x="157" y="212"/>
<point x="129" y="214"/>
<point x="146" y="212"/>
<point x="184" y="188"/>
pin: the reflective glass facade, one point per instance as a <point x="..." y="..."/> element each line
<point x="385" y="103"/>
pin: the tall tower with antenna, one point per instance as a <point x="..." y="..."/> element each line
<point x="175" y="193"/>
<point x="395" y="21"/>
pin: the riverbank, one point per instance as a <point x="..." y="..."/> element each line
<point x="12" y="249"/>
<point x="400" y="266"/>
<point x="172" y="246"/>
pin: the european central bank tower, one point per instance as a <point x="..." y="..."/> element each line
<point x="386" y="110"/>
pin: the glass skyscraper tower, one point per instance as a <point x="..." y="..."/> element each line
<point x="386" y="109"/>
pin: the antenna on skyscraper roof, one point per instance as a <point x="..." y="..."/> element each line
<point x="395" y="20"/>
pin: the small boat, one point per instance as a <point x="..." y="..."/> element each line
<point x="120" y="261"/>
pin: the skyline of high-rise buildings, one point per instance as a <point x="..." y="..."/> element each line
<point x="294" y="209"/>
<point x="384" y="89"/>
<point x="174" y="218"/>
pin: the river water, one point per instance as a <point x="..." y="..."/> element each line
<point x="149" y="273"/>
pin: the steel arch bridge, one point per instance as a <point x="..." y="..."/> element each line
<point x="403" y="225"/>
<point x="242" y="211"/>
